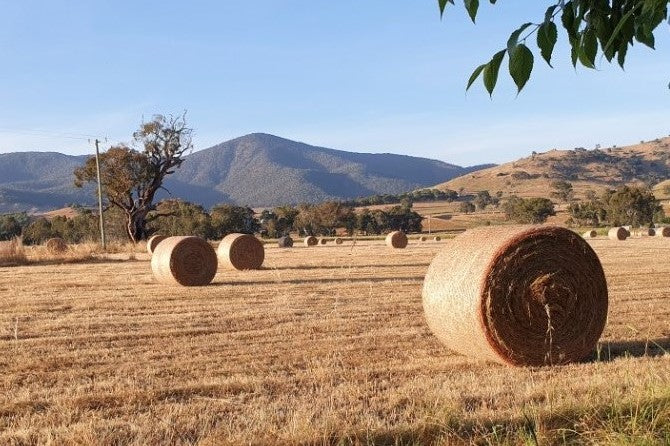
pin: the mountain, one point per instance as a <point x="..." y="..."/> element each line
<point x="31" y="181"/>
<point x="645" y="163"/>
<point x="256" y="170"/>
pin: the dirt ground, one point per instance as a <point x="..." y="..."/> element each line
<point x="325" y="345"/>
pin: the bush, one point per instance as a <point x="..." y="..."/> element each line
<point x="531" y="210"/>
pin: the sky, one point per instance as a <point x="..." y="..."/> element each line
<point x="367" y="76"/>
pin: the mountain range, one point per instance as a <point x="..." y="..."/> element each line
<point x="258" y="170"/>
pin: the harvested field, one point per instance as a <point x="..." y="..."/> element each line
<point x="324" y="346"/>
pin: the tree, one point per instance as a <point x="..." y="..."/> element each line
<point x="562" y="190"/>
<point x="131" y="177"/>
<point x="11" y="225"/>
<point x="592" y="26"/>
<point x="178" y="217"/>
<point x="627" y="205"/>
<point x="466" y="207"/>
<point x="528" y="210"/>
<point x="229" y="219"/>
<point x="484" y="199"/>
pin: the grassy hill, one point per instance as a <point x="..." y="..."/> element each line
<point x="644" y="163"/>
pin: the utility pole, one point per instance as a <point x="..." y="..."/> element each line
<point x="102" y="218"/>
<point x="429" y="231"/>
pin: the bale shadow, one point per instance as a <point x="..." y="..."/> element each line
<point x="323" y="281"/>
<point x="609" y="351"/>
<point x="342" y="266"/>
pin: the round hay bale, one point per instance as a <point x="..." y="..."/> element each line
<point x="322" y="241"/>
<point x="153" y="242"/>
<point x="651" y="232"/>
<point x="187" y="261"/>
<point x="422" y="238"/>
<point x="56" y="245"/>
<point x="590" y="234"/>
<point x="397" y="240"/>
<point x="241" y="252"/>
<point x="618" y="233"/>
<point x="437" y="238"/>
<point x="338" y="241"/>
<point x="310" y="241"/>
<point x="521" y="295"/>
<point x="663" y="232"/>
<point x="285" y="242"/>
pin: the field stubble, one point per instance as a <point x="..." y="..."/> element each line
<point x="325" y="345"/>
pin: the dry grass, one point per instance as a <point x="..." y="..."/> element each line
<point x="324" y="346"/>
<point x="12" y="252"/>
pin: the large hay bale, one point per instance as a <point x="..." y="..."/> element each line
<point x="521" y="295"/>
<point x="651" y="232"/>
<point x="285" y="242"/>
<point x="187" y="261"/>
<point x="618" y="233"/>
<point x="437" y="238"/>
<point x="153" y="242"/>
<point x="397" y="240"/>
<point x="310" y="241"/>
<point x="590" y="234"/>
<point x="338" y="241"/>
<point x="56" y="245"/>
<point x="663" y="232"/>
<point x="322" y="241"/>
<point x="241" y="252"/>
<point x="422" y="238"/>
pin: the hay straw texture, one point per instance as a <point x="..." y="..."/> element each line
<point x="187" y="261"/>
<point x="618" y="233"/>
<point x="338" y="241"/>
<point x="520" y="295"/>
<point x="422" y="238"/>
<point x="153" y="242"/>
<point x="56" y="245"/>
<point x="322" y="241"/>
<point x="310" y="241"/>
<point x="437" y="238"/>
<point x="285" y="242"/>
<point x="397" y="240"/>
<point x="590" y="234"/>
<point x="663" y="232"/>
<point x="241" y="252"/>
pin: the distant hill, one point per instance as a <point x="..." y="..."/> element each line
<point x="256" y="170"/>
<point x="645" y="163"/>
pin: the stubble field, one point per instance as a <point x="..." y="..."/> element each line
<point x="325" y="345"/>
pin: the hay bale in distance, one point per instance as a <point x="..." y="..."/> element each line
<point x="241" y="252"/>
<point x="338" y="241"/>
<point x="527" y="295"/>
<point x="310" y="241"/>
<point x="651" y="232"/>
<point x="396" y="240"/>
<point x="437" y="238"/>
<point x="663" y="232"/>
<point x="590" y="234"/>
<point x="186" y="261"/>
<point x="285" y="242"/>
<point x="153" y="242"/>
<point x="56" y="245"/>
<point x="618" y="233"/>
<point x="322" y="241"/>
<point x="422" y="238"/>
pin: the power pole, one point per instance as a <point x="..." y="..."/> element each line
<point x="102" y="218"/>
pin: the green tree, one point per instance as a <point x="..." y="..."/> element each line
<point x="177" y="217"/>
<point x="592" y="27"/>
<point x="38" y="232"/>
<point x="466" y="207"/>
<point x="131" y="178"/>
<point x="528" y="210"/>
<point x="562" y="190"/>
<point x="11" y="225"/>
<point x="484" y="199"/>
<point x="229" y="219"/>
<point x="635" y="206"/>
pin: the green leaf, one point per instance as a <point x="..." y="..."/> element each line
<point x="491" y="71"/>
<point x="472" y="6"/>
<point x="520" y="65"/>
<point x="588" y="48"/>
<point x="514" y="37"/>
<point x="547" y="35"/>
<point x="475" y="75"/>
<point x="443" y="5"/>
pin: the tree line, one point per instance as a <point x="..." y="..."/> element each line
<point x="178" y="217"/>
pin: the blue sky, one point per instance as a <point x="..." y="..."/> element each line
<point x="372" y="76"/>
